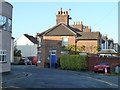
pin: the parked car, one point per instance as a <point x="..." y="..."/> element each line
<point x="33" y="60"/>
<point x="101" y="67"/>
<point x="25" y="61"/>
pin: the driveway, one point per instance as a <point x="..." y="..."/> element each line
<point x="35" y="77"/>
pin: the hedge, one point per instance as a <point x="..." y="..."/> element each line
<point x="73" y="62"/>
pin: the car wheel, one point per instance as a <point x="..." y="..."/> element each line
<point x="95" y="71"/>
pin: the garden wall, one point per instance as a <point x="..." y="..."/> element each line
<point x="113" y="61"/>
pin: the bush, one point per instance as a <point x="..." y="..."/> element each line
<point x="73" y="62"/>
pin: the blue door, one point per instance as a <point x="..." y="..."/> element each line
<point x="52" y="61"/>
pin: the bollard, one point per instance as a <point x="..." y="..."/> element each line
<point x="106" y="71"/>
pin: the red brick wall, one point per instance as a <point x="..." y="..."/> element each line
<point x="51" y="43"/>
<point x="91" y="61"/>
<point x="89" y="45"/>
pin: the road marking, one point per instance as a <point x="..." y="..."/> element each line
<point x="111" y="84"/>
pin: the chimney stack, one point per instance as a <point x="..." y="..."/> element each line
<point x="78" y="22"/>
<point x="62" y="17"/>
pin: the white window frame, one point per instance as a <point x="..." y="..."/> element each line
<point x="64" y="41"/>
<point x="3" y="53"/>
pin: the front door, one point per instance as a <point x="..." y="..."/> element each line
<point x="52" y="65"/>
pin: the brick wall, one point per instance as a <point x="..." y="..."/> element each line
<point x="51" y="43"/>
<point x="89" y="45"/>
<point x="91" y="61"/>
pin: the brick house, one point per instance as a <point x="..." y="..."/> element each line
<point x="62" y="32"/>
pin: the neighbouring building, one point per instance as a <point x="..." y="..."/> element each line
<point x="27" y="44"/>
<point x="104" y="44"/>
<point x="5" y="35"/>
<point x="77" y="34"/>
<point x="110" y="43"/>
<point x="117" y="47"/>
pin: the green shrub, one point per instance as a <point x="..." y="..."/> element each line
<point x="73" y="62"/>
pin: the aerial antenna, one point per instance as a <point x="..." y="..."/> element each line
<point x="70" y="13"/>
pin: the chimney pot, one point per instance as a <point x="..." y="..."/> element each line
<point x="66" y="12"/>
<point x="76" y="23"/>
<point x="87" y="27"/>
<point x="58" y="12"/>
<point x="61" y="9"/>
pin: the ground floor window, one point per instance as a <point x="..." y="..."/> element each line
<point x="3" y="55"/>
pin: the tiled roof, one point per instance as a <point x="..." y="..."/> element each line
<point x="59" y="30"/>
<point x="64" y="30"/>
<point x="31" y="38"/>
<point x="107" y="51"/>
<point x="88" y="35"/>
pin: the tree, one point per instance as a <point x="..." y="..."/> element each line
<point x="17" y="52"/>
<point x="70" y="48"/>
<point x="81" y="48"/>
<point x="96" y="49"/>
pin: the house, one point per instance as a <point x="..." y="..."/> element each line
<point x="110" y="43"/>
<point x="77" y="34"/>
<point x="104" y="44"/>
<point x="27" y="44"/>
<point x="5" y="35"/>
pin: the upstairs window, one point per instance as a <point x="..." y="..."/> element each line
<point x="10" y="24"/>
<point x="3" y="22"/>
<point x="3" y="56"/>
<point x="65" y="41"/>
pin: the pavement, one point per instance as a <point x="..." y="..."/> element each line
<point x="22" y="76"/>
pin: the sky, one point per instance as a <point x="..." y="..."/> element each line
<point x="36" y="17"/>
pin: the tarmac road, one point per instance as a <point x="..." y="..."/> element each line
<point x="22" y="76"/>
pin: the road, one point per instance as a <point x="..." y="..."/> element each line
<point x="35" y="77"/>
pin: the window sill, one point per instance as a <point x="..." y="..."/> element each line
<point x="3" y="62"/>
